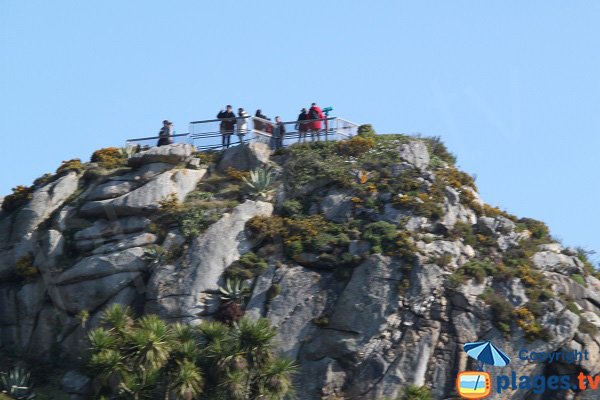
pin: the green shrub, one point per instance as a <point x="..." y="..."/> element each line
<point x="579" y="279"/>
<point x="572" y="306"/>
<point x="25" y="269"/>
<point x="20" y="196"/>
<point x="413" y="392"/>
<point x="538" y="229"/>
<point x="366" y="131"/>
<point x="73" y="165"/>
<point x="464" y="231"/>
<point x="43" y="180"/>
<point x="316" y="163"/>
<point x="273" y="291"/>
<point x="109" y="158"/>
<point x="206" y="157"/>
<point x="248" y="266"/>
<point x="437" y="149"/>
<point x="321" y="321"/>
<point x="455" y="178"/>
<point x="382" y="236"/>
<point x="526" y="320"/>
<point x="421" y="204"/>
<point x="355" y="146"/>
<point x="195" y="221"/>
<point x="199" y="196"/>
<point x="292" y="208"/>
<point x="405" y="247"/>
<point x="582" y="255"/>
<point x="502" y="310"/>
<point x="493" y="212"/>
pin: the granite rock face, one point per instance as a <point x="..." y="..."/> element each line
<point x="362" y="316"/>
<point x="190" y="292"/>
<point x="171" y="154"/>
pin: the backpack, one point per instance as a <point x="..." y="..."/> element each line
<point x="313" y="114"/>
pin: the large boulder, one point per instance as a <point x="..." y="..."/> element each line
<point x="30" y="299"/>
<point x="146" y="199"/>
<point x="171" y="154"/>
<point x="127" y="242"/>
<point x="98" y="266"/>
<point x="416" y="153"/>
<point x="245" y="157"/>
<point x="123" y="184"/>
<point x="51" y="249"/>
<point x="554" y="262"/>
<point x="43" y="203"/>
<point x="337" y="206"/>
<point x="256" y="306"/>
<point x="192" y="290"/>
<point x="5" y="228"/>
<point x="90" y="294"/>
<point x="302" y="298"/>
<point x="75" y="383"/>
<point x="106" y="228"/>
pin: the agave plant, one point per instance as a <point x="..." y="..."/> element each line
<point x="129" y="150"/>
<point x="234" y="290"/>
<point x="16" y="383"/>
<point x="260" y="181"/>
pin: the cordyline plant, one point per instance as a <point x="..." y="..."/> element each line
<point x="150" y="359"/>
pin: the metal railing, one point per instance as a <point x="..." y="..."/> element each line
<point x="208" y="134"/>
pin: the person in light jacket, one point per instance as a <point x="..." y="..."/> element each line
<point x="242" y="124"/>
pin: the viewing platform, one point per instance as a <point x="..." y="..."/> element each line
<point x="206" y="134"/>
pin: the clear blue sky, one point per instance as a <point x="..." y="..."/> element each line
<point x="512" y="87"/>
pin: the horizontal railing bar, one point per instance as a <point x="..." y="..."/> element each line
<point x="261" y="119"/>
<point x="157" y="137"/>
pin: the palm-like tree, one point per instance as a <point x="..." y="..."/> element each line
<point x="149" y="359"/>
<point x="186" y="380"/>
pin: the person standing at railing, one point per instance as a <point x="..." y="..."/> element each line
<point x="226" y="127"/>
<point x="242" y="124"/>
<point x="166" y="133"/>
<point x="278" y="134"/>
<point x="261" y="125"/>
<point x="316" y="115"/>
<point x="302" y="127"/>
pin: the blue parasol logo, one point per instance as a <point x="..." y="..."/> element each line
<point x="486" y="353"/>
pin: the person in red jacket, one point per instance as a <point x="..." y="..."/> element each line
<point x="315" y="126"/>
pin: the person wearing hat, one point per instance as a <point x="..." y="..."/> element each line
<point x="166" y="133"/>
<point x="302" y="127"/>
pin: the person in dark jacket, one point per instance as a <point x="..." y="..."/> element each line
<point x="302" y="127"/>
<point x="315" y="126"/>
<point x="227" y="125"/>
<point x="278" y="134"/>
<point x="166" y="133"/>
<point x="261" y="125"/>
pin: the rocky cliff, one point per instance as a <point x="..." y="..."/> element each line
<point x="374" y="258"/>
